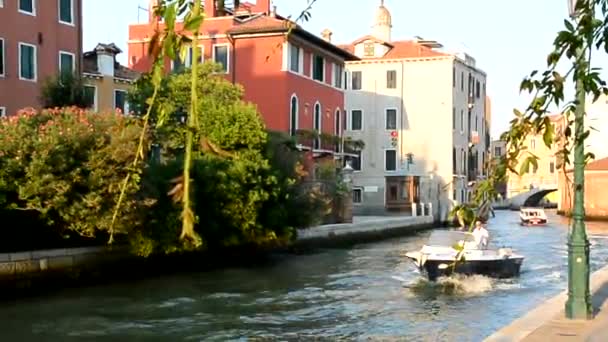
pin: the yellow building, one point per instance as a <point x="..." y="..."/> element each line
<point x="545" y="176"/>
<point x="106" y="81"/>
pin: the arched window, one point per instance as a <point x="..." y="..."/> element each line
<point x="317" y="125"/>
<point x="337" y="128"/>
<point x="293" y="115"/>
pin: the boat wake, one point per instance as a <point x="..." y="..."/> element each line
<point x="455" y="285"/>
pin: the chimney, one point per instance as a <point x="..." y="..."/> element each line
<point x="152" y="4"/>
<point x="262" y="6"/>
<point x="210" y="9"/>
<point x="274" y="11"/>
<point x="326" y="34"/>
<point x="105" y="61"/>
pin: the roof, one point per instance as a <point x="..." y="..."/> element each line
<point x="598" y="165"/>
<point x="278" y="24"/>
<point x="399" y="49"/>
<point x="89" y="65"/>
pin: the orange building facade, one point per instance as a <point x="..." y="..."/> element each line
<point x="596" y="181"/>
<point x="296" y="81"/>
<point x="38" y="38"/>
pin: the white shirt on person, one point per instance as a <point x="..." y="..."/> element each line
<point x="481" y="236"/>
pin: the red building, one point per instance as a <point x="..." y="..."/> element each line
<point x="297" y="81"/>
<point x="38" y="38"/>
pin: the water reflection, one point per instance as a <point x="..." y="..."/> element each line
<point x="366" y="292"/>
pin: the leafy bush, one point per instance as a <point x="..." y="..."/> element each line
<point x="67" y="164"/>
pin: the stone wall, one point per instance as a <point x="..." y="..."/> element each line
<point x="24" y="263"/>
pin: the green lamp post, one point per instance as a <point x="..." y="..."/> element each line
<point x="578" y="305"/>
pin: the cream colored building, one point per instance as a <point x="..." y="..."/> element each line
<point x="422" y="115"/>
<point x="545" y="175"/>
<point x="106" y="81"/>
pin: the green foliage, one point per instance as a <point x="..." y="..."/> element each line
<point x="64" y="90"/>
<point x="67" y="165"/>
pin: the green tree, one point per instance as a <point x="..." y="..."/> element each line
<point x="64" y="90"/>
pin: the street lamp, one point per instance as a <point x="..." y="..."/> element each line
<point x="578" y="305"/>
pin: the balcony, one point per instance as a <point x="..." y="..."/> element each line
<point x="322" y="144"/>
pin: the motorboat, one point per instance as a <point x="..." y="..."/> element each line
<point x="448" y="252"/>
<point x="532" y="216"/>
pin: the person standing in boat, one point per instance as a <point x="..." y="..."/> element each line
<point x="481" y="234"/>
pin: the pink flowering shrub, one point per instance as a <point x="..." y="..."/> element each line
<point x="68" y="164"/>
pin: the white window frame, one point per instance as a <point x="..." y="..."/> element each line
<point x="32" y="13"/>
<point x="360" y="157"/>
<point x="461" y="121"/>
<point x="227" y="55"/>
<point x="189" y="54"/>
<point x="2" y="110"/>
<point x="35" y="79"/>
<point x="61" y="52"/>
<point x="71" y="13"/>
<point x="312" y="68"/>
<point x="351" y="80"/>
<point x="295" y="129"/>
<point x="334" y="68"/>
<point x="386" y="119"/>
<point x="300" y="58"/>
<point x="314" y="119"/>
<point x="3" y="59"/>
<point x="126" y="109"/>
<point x="360" y="189"/>
<point x="95" y="108"/>
<point x="350" y="120"/>
<point x="396" y="158"/>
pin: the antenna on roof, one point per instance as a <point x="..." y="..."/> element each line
<point x="139" y="9"/>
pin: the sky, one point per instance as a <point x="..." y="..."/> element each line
<point x="507" y="38"/>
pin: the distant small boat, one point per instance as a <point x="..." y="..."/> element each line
<point x="532" y="216"/>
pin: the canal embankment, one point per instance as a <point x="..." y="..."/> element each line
<point x="547" y="321"/>
<point x="23" y="270"/>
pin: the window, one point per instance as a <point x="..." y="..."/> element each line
<point x="497" y="151"/>
<point x="220" y="55"/>
<point x="368" y="49"/>
<point x="337" y="128"/>
<point x="552" y="167"/>
<point x="66" y="12"/>
<point x="356" y="120"/>
<point x="293" y="116"/>
<point x="454" y="161"/>
<point x="67" y="62"/>
<point x="2" y="109"/>
<point x="27" y="6"/>
<point x="453" y="118"/>
<point x="391" y="119"/>
<point x="390" y="160"/>
<point x="27" y="62"/>
<point x="391" y="79"/>
<point x="355" y="162"/>
<point x="462" y="81"/>
<point x="188" y="61"/>
<point x="356" y="78"/>
<point x="463" y="161"/>
<point x="453" y="77"/>
<point x="476" y="123"/>
<point x="317" y="126"/>
<point x="120" y="100"/>
<point x="318" y="68"/>
<point x="2" y="61"/>
<point x="357" y="195"/>
<point x="477" y="89"/>
<point x="461" y="121"/>
<point x="338" y="72"/>
<point x="1" y="3"/>
<point x="177" y="65"/>
<point x="295" y="58"/>
<point x="90" y="95"/>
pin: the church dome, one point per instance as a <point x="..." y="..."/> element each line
<point x="383" y="16"/>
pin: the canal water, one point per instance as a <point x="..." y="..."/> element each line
<point x="333" y="294"/>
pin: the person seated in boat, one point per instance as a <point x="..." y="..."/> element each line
<point x="481" y="235"/>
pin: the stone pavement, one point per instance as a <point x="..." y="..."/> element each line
<point x="548" y="323"/>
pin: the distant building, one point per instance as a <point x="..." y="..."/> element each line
<point x="498" y="149"/>
<point x="106" y="81"/>
<point x="596" y="182"/>
<point x="38" y="39"/>
<point x="545" y="175"/>
<point x="422" y="114"/>
<point x="296" y="80"/>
